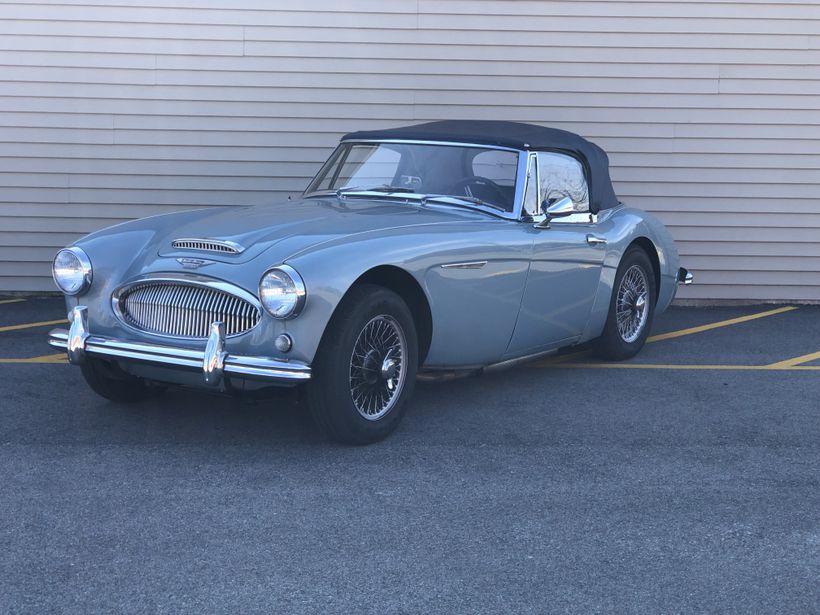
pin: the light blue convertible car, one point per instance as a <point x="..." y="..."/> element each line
<point x="452" y="245"/>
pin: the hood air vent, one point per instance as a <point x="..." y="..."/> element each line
<point x="208" y="245"/>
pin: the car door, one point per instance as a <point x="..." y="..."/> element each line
<point x="566" y="261"/>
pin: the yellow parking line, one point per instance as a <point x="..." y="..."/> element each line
<point x="555" y="359"/>
<point x="29" y="325"/>
<point x="774" y="367"/>
<point x="797" y="360"/>
<point x="4" y="301"/>
<point x="49" y="358"/>
<point x="561" y="359"/>
<point x="720" y="323"/>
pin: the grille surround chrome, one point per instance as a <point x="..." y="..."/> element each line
<point x="198" y="244"/>
<point x="184" y="307"/>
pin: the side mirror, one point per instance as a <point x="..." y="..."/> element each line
<point x="559" y="209"/>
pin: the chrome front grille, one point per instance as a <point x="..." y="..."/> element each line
<point x="184" y="309"/>
<point x="208" y="245"/>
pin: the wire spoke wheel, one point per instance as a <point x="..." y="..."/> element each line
<point x="632" y="305"/>
<point x="378" y="367"/>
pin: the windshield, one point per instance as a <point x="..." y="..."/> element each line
<point x="478" y="174"/>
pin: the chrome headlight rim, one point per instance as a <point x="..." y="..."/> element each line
<point x="298" y="288"/>
<point x="85" y="268"/>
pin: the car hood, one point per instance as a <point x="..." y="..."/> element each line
<point x="282" y="230"/>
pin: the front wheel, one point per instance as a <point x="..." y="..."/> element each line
<point x="365" y="368"/>
<point x="631" y="308"/>
<point x="107" y="380"/>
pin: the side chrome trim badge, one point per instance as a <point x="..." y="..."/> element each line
<point x="467" y="265"/>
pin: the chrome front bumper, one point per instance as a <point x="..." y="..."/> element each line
<point x="213" y="361"/>
<point x="685" y="276"/>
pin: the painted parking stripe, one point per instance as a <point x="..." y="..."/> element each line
<point x="720" y="323"/>
<point x="774" y="367"/>
<point x="49" y="358"/>
<point x="814" y="356"/>
<point x="5" y="301"/>
<point x="560" y="359"/>
<point x="556" y="359"/>
<point x="29" y="325"/>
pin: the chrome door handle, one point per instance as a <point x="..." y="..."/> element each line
<point x="594" y="240"/>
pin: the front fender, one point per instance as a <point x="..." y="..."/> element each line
<point x="473" y="309"/>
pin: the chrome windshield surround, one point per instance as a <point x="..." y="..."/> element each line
<point x="221" y="246"/>
<point x="423" y="142"/>
<point x="190" y="280"/>
<point x="520" y="177"/>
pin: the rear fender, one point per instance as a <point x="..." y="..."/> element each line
<point x="628" y="226"/>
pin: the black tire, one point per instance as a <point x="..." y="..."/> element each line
<point x="614" y="344"/>
<point x="335" y="369"/>
<point x="107" y="380"/>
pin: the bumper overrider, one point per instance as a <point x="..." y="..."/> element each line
<point x="214" y="363"/>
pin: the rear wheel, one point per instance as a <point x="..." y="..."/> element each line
<point x="631" y="308"/>
<point x="365" y="368"/>
<point x="107" y="380"/>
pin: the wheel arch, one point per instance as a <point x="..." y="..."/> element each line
<point x="648" y="246"/>
<point x="408" y="288"/>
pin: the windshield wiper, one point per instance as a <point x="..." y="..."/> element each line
<point x="361" y="190"/>
<point x="445" y="199"/>
<point x="386" y="188"/>
<point x="448" y="199"/>
<point x="389" y="188"/>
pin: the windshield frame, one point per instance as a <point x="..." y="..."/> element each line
<point x="520" y="177"/>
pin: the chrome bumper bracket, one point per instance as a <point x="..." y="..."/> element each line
<point x="214" y="362"/>
<point x="77" y="334"/>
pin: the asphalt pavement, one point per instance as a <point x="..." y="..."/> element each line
<point x="686" y="482"/>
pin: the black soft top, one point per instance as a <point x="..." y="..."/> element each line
<point x="516" y="135"/>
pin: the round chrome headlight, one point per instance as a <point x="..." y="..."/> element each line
<point x="282" y="292"/>
<point x="71" y="271"/>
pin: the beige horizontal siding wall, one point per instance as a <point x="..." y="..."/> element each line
<point x="710" y="111"/>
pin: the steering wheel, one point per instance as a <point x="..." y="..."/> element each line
<point x="462" y="186"/>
